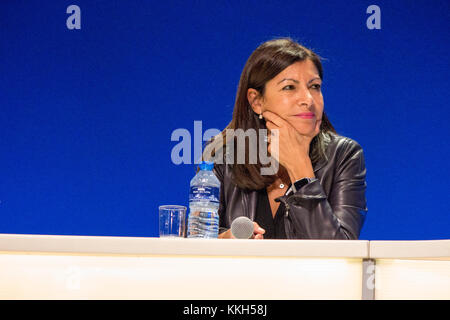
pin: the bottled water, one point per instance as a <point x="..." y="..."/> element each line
<point x="203" y="221"/>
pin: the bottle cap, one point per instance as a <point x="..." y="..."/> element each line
<point x="206" y="165"/>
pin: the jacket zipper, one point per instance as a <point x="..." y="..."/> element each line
<point x="287" y="209"/>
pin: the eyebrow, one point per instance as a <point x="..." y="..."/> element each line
<point x="296" y="81"/>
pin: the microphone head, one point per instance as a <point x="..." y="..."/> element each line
<point x="242" y="228"/>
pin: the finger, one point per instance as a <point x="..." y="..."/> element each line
<point x="274" y="154"/>
<point x="274" y="118"/>
<point x="257" y="229"/>
<point x="271" y="125"/>
<point x="259" y="237"/>
<point x="273" y="131"/>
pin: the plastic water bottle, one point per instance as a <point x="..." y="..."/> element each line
<point x="203" y="221"/>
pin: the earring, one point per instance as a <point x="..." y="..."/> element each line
<point x="260" y="116"/>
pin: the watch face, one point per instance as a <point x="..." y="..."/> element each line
<point x="300" y="183"/>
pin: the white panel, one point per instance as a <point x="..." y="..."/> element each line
<point x="50" y="276"/>
<point x="412" y="279"/>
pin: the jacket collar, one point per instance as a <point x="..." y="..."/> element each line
<point x="322" y="162"/>
<point x="319" y="165"/>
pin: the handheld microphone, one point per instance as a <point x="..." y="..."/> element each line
<point x="242" y="228"/>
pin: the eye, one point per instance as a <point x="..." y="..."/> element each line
<point x="316" y="86"/>
<point x="289" y="87"/>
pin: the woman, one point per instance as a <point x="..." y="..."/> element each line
<point x="318" y="191"/>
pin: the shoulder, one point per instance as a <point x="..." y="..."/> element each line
<point x="342" y="144"/>
<point x="344" y="151"/>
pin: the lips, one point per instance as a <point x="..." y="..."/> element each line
<point x="306" y="115"/>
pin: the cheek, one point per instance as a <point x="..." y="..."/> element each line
<point x="280" y="106"/>
<point x="319" y="113"/>
<point x="319" y="104"/>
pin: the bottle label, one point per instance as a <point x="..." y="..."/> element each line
<point x="204" y="193"/>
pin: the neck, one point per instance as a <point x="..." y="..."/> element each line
<point x="281" y="178"/>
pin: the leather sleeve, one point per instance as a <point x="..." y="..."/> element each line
<point x="312" y="214"/>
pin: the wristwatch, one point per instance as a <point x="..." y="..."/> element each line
<point x="302" y="182"/>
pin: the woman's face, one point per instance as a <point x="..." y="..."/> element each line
<point x="295" y="95"/>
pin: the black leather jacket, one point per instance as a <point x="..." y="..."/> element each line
<point x="331" y="207"/>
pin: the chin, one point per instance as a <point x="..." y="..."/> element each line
<point x="305" y="130"/>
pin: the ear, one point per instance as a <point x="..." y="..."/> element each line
<point x="255" y="100"/>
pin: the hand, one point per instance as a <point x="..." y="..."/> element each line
<point x="258" y="231"/>
<point x="293" y="147"/>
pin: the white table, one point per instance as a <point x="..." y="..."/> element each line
<point x="77" y="267"/>
<point x="80" y="267"/>
<point x="411" y="269"/>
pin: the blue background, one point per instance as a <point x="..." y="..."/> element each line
<point x="87" y="115"/>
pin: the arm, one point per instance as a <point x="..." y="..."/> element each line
<point x="313" y="215"/>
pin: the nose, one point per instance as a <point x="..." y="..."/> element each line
<point x="305" y="98"/>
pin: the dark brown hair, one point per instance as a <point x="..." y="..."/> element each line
<point x="266" y="62"/>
